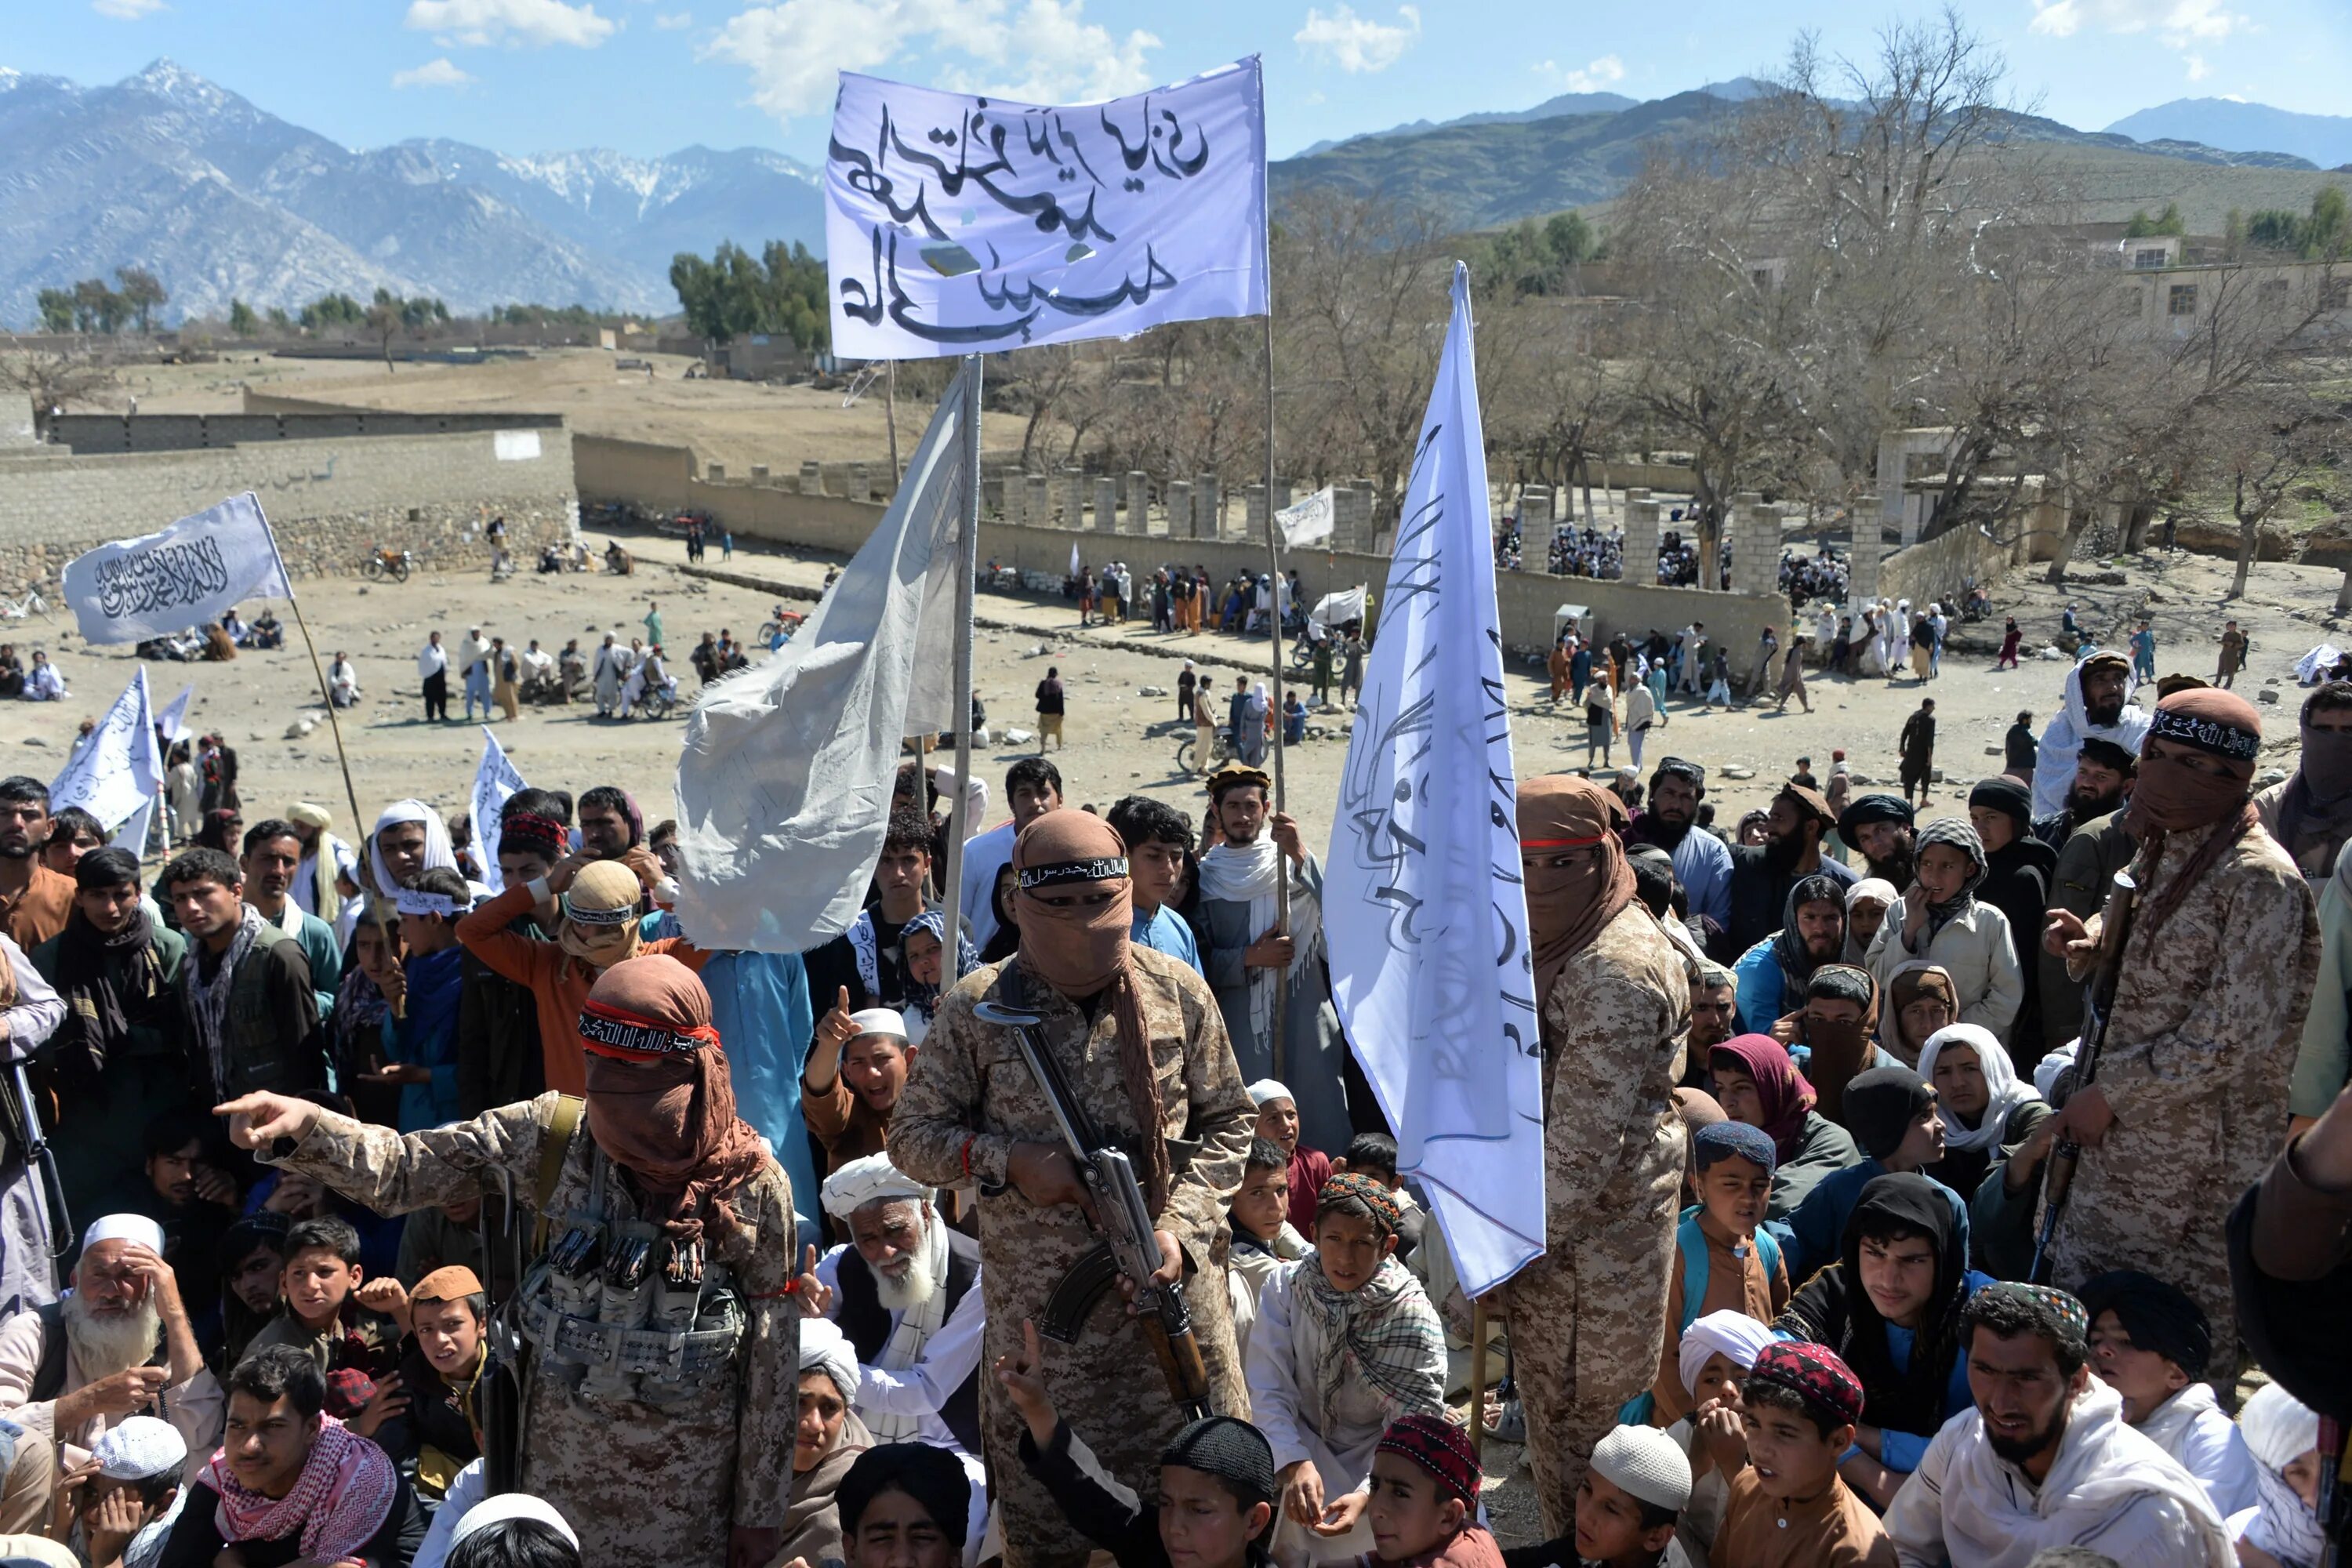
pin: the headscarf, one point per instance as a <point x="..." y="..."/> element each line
<point x="2280" y="1429"/>
<point x="1567" y="907"/>
<point x="1789" y="951"/>
<point x="1911" y="1400"/>
<point x="1735" y="1336"/>
<point x="1782" y="1091"/>
<point x="325" y="897"/>
<point x="2172" y="797"/>
<point x="1957" y="832"/>
<point x="437" y="850"/>
<point x="1385" y="1326"/>
<point x="2004" y="1091"/>
<point x="1868" y="889"/>
<point x="215" y="833"/>
<point x="600" y="926"/>
<point x="922" y="998"/>
<point x="1880" y="1105"/>
<point x="1912" y="979"/>
<point x="339" y="1500"/>
<point x="660" y="1102"/>
<point x="2316" y="807"/>
<point x="2159" y="1316"/>
<point x="1079" y="952"/>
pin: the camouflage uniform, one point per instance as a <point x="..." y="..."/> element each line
<point x="970" y="1098"/>
<point x="2207" y="1016"/>
<point x="1588" y="1318"/>
<point x="640" y="1482"/>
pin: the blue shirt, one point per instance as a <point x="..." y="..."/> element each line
<point x="1162" y="931"/>
<point x="1703" y="866"/>
<point x="1902" y="1451"/>
<point x="1760" y="988"/>
<point x="760" y="1005"/>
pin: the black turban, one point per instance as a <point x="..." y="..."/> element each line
<point x="1880" y="1105"/>
<point x="2158" y="1317"/>
<point x="932" y="1477"/>
<point x="2004" y="794"/>
<point x="1873" y="808"/>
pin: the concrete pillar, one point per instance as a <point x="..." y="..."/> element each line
<point x="1039" y="512"/>
<point x="1254" y="510"/>
<point x="861" y="483"/>
<point x="1106" y="504"/>
<point x="1756" y="560"/>
<point x="1208" y="508"/>
<point x="1180" y="509"/>
<point x="1640" y="542"/>
<point x="1138" y="501"/>
<point x="1074" y="498"/>
<point x="758" y="473"/>
<point x="1351" y="518"/>
<point x="812" y="479"/>
<point x="1535" y="509"/>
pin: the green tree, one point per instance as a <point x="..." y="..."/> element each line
<point x="2168" y="221"/>
<point x="141" y="292"/>
<point x="97" y="308"/>
<point x="2328" y="232"/>
<point x="337" y="310"/>
<point x="277" y="318"/>
<point x="732" y="295"/>
<point x="56" y="308"/>
<point x="242" y="321"/>
<point x="2275" y="228"/>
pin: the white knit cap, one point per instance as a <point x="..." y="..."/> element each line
<point x="139" y="1448"/>
<point x="131" y="1228"/>
<point x="866" y="1181"/>
<point x="880" y="1021"/>
<point x="825" y="1349"/>
<point x="1645" y="1463"/>
<point x="1266" y="1090"/>
<point x="512" y="1505"/>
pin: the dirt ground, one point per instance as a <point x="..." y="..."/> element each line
<point x="737" y="423"/>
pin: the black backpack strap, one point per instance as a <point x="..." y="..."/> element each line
<point x="50" y="1377"/>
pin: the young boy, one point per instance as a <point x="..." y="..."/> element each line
<point x="1264" y="1238"/>
<point x="1374" y="1154"/>
<point x="322" y="1314"/>
<point x="2151" y="1343"/>
<point x="441" y="1358"/>
<point x="420" y="1026"/>
<point x="1216" y="1482"/>
<point x="1420" y="1500"/>
<point x="1718" y="1247"/>
<point x="1787" y="1506"/>
<point x="1626" y="1508"/>
<point x="1277" y="1121"/>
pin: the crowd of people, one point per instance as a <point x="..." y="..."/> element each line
<point x="1917" y="1191"/>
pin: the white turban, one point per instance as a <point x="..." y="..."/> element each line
<point x="512" y="1505"/>
<point x="2279" y="1427"/>
<point x="1734" y="1335"/>
<point x="1871" y="889"/>
<point x="437" y="850"/>
<point x="136" y="1228"/>
<point x="825" y="1349"/>
<point x="139" y="1448"/>
<point x="1266" y="1091"/>
<point x="866" y="1181"/>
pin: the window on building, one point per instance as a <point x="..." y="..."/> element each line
<point x="2272" y="292"/>
<point x="2152" y="257"/>
<point x="2182" y="300"/>
<point x="2335" y="293"/>
<point x="1762" y="276"/>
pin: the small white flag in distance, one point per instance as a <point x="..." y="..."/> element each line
<point x="1307" y="521"/>
<point x="784" y="788"/>
<point x="1423" y="902"/>
<point x="173" y="720"/>
<point x="495" y="783"/>
<point x="161" y="584"/>
<point x="119" y="769"/>
<point x="957" y="224"/>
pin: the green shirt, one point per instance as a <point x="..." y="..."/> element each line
<point x="653" y="625"/>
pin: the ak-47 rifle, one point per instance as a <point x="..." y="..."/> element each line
<point x="1129" y="1245"/>
<point x="2098" y="1006"/>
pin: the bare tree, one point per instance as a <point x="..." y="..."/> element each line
<point x="56" y="382"/>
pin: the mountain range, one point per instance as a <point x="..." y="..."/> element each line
<point x="222" y="200"/>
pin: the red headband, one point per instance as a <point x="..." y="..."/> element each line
<point x="610" y="1031"/>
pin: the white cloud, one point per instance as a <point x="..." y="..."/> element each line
<point x="476" y="23"/>
<point x="435" y="73"/>
<point x="1357" y="44"/>
<point x="2177" y="22"/>
<point x="2196" y="67"/>
<point x="1594" y="76"/>
<point x="126" y="10"/>
<point x="672" y="21"/>
<point x="1049" y="53"/>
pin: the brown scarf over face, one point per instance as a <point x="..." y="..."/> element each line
<point x="2170" y="796"/>
<point x="1081" y="949"/>
<point x="1567" y="906"/>
<point x="660" y="1102"/>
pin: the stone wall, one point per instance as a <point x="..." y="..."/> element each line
<point x="1940" y="568"/>
<point x="90" y="434"/>
<point x="328" y="501"/>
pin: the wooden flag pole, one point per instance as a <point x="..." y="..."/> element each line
<point x="1478" y="1383"/>
<point x="967" y="571"/>
<point x="1274" y="634"/>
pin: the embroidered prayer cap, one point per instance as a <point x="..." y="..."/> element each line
<point x="1645" y="1463"/>
<point x="1267" y="1090"/>
<point x="139" y="1448"/>
<point x="135" y="1228"/>
<point x="2159" y="1316"/>
<point x="868" y="1180"/>
<point x="647" y="1009"/>
<point x="880" y="1021"/>
<point x="309" y="816"/>
<point x="453" y="1283"/>
<point x="541" y="835"/>
<point x="2066" y="1307"/>
<point x="604" y="893"/>
<point x="1374" y="1195"/>
<point x="1439" y="1446"/>
<point x="505" y="1506"/>
<point x="1813" y="1370"/>
<point x="1721" y="1140"/>
<point x="1866" y="808"/>
<point x="1228" y="1449"/>
<point x="2220" y="722"/>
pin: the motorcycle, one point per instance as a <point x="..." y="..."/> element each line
<point x="382" y="564"/>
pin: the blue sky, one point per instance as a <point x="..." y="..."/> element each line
<point x="648" y="77"/>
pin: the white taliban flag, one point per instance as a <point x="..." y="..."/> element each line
<point x="1423" y="908"/>
<point x="1307" y="521"/>
<point x="173" y="720"/>
<point x="784" y="788"/>
<point x="192" y="572"/>
<point x="495" y="783"/>
<point x="119" y="769"/>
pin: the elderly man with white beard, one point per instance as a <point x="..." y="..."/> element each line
<point x="119" y="1343"/>
<point x="906" y="1292"/>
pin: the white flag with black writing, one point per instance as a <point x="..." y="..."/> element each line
<point x="1423" y="908"/>
<point x="784" y="788"/>
<point x="117" y="769"/>
<point x="495" y="783"/>
<point x="1307" y="521"/>
<point x="957" y="224"/>
<point x="194" y="572"/>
